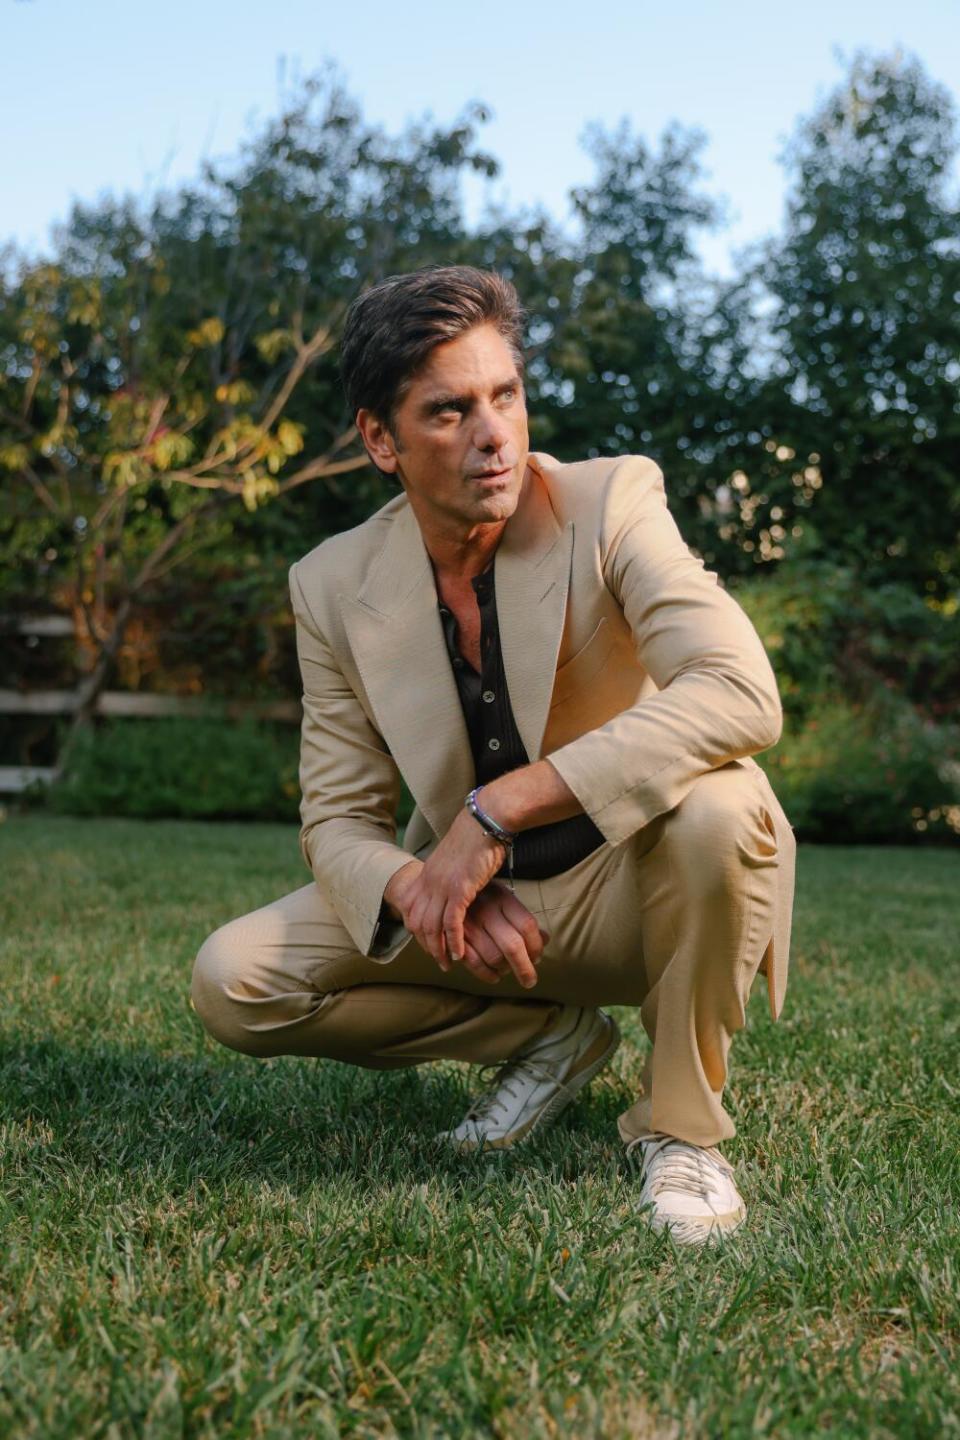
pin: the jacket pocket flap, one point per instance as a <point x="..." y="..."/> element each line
<point x="581" y="667"/>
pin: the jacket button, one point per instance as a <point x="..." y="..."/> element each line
<point x="494" y="743"/>
<point x="489" y="696"/>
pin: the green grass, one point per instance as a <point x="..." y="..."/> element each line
<point x="200" y="1244"/>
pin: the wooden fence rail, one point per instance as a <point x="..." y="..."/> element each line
<point x="16" y="778"/>
<point x="132" y="703"/>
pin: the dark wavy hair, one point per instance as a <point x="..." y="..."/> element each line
<point x="390" y="329"/>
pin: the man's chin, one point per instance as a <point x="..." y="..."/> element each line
<point x="498" y="497"/>
<point x="498" y="505"/>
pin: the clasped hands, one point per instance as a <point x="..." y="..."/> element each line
<point x="460" y="914"/>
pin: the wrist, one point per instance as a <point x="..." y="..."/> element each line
<point x="493" y="800"/>
<point x="397" y="886"/>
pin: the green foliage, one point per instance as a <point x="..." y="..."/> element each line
<point x="181" y="767"/>
<point x="864" y="325"/>
<point x="827" y="634"/>
<point x="169" y="385"/>
<point x="870" y="682"/>
<point x="175" y="360"/>
<point x="867" y="774"/>
<point x="184" y="768"/>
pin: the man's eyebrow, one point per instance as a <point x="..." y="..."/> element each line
<point x="443" y="401"/>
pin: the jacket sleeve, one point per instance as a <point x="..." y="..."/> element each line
<point x="350" y="787"/>
<point x="717" y="696"/>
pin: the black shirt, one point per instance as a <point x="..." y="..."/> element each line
<point x="496" y="744"/>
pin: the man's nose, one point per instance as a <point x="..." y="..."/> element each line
<point x="491" y="430"/>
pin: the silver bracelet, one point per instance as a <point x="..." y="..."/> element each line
<point x="493" y="829"/>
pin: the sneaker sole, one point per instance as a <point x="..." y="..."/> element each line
<point x="691" y="1231"/>
<point x="584" y="1070"/>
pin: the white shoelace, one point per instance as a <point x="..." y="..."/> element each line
<point x="683" y="1167"/>
<point x="509" y="1071"/>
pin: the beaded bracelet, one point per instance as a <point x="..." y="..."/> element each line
<point x="495" y="830"/>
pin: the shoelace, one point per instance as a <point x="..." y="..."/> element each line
<point x="508" y="1072"/>
<point x="683" y="1167"/>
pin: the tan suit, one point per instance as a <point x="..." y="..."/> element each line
<point x="646" y="685"/>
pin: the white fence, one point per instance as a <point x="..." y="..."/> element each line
<point x="15" y="778"/>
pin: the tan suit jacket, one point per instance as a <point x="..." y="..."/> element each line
<point x="627" y="664"/>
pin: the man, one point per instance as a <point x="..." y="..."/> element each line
<point x="573" y="702"/>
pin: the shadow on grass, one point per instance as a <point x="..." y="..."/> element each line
<point x="289" y="1121"/>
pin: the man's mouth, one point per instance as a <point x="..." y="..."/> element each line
<point x="492" y="474"/>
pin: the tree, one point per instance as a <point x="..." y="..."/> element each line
<point x="858" y="458"/>
<point x="648" y="343"/>
<point x="162" y="371"/>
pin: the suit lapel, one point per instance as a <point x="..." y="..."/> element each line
<point x="532" y="570"/>
<point x="397" y="641"/>
<point x="396" y="636"/>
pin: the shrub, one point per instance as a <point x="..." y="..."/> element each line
<point x="828" y="635"/>
<point x="870" y="684"/>
<point x="856" y="773"/>
<point x="186" y="768"/>
<point x="181" y="767"/>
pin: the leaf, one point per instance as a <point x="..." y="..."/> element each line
<point x="257" y="487"/>
<point x="171" y="449"/>
<point x="124" y="467"/>
<point x="14" y="457"/>
<point x="209" y="332"/>
<point x="272" y="344"/>
<point x="290" y="434"/>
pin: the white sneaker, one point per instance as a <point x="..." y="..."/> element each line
<point x="687" y="1189"/>
<point x="533" y="1086"/>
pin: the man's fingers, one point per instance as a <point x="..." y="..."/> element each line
<point x="433" y="934"/>
<point x="485" y="947"/>
<point x="479" y="966"/>
<point x="522" y="920"/>
<point x="520" y="963"/>
<point x="453" y="918"/>
<point x="512" y="947"/>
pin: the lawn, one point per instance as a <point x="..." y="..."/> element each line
<point x="200" y="1244"/>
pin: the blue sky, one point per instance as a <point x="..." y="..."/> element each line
<point x="116" y="95"/>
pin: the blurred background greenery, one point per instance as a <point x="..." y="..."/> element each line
<point x="173" y="435"/>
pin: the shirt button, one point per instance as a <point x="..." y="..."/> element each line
<point x="489" y="696"/>
<point x="494" y="743"/>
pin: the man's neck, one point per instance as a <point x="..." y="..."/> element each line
<point x="463" y="557"/>
<point x="458" y="552"/>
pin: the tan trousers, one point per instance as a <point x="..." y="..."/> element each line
<point x="674" y="919"/>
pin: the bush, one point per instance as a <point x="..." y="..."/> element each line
<point x="183" y="768"/>
<point x="870" y="683"/>
<point x="878" y="773"/>
<point x="828" y="635"/>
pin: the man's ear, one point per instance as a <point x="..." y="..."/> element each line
<point x="380" y="444"/>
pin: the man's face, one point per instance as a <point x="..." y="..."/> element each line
<point x="459" y="440"/>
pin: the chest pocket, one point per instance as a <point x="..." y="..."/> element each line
<point x="585" y="665"/>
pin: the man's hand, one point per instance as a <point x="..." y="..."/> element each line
<point x="436" y="901"/>
<point x="433" y="900"/>
<point x="500" y="934"/>
<point x="499" y="931"/>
